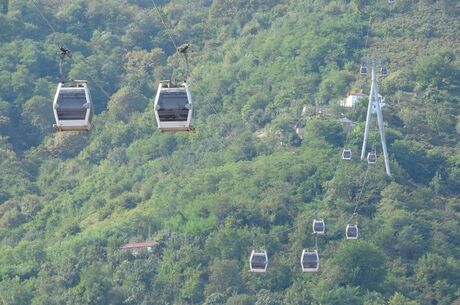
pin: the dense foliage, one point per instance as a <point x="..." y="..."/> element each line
<point x="244" y="179"/>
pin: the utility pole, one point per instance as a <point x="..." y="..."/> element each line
<point x="375" y="106"/>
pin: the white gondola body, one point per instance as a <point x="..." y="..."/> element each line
<point x="346" y="154"/>
<point x="371" y="158"/>
<point x="363" y="70"/>
<point x="72" y="107"/>
<point x="351" y="231"/>
<point x="173" y="107"/>
<point x="309" y="261"/>
<point x="384" y="71"/>
<point x="258" y="261"/>
<point x="318" y="226"/>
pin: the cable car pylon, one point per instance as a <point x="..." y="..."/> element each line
<point x="375" y="106"/>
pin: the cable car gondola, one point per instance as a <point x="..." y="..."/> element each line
<point x="72" y="107"/>
<point x="363" y="69"/>
<point x="384" y="71"/>
<point x="346" y="154"/>
<point x="309" y="261"/>
<point x="300" y="132"/>
<point x="371" y="158"/>
<point x="173" y="107"/>
<point x="258" y="261"/>
<point x="351" y="231"/>
<point x="319" y="227"/>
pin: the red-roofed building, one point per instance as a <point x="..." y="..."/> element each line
<point x="135" y="248"/>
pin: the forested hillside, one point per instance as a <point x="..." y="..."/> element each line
<point x="244" y="179"/>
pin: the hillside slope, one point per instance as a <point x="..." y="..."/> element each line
<point x="244" y="179"/>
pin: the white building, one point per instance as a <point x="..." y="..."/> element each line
<point x="136" y="248"/>
<point x="352" y="99"/>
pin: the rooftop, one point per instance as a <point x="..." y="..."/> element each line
<point x="144" y="244"/>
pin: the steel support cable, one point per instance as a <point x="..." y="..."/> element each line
<point x="98" y="84"/>
<point x="43" y="16"/>
<point x="388" y="30"/>
<point x="170" y="31"/>
<point x="386" y="39"/>
<point x="362" y="187"/>
<point x="175" y="45"/>
<point x="339" y="162"/>
<point x="191" y="76"/>
<point x="255" y="246"/>
<point x="167" y="29"/>
<point x="346" y="142"/>
<point x="385" y="45"/>
<point x="367" y="34"/>
<point x="355" y="210"/>
<point x="267" y="235"/>
<point x="83" y="59"/>
<point x="286" y="230"/>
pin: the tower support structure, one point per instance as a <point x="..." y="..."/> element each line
<point x="375" y="107"/>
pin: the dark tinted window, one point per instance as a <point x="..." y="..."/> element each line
<point x="310" y="257"/>
<point x="71" y="104"/>
<point x="172" y="106"/>
<point x="352" y="231"/>
<point x="173" y="100"/>
<point x="310" y="265"/>
<point x="319" y="226"/>
<point x="258" y="259"/>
